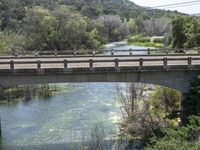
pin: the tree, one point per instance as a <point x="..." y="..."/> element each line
<point x="192" y="103"/>
<point x="131" y="26"/>
<point x="112" y="27"/>
<point x="61" y="28"/>
<point x="39" y="28"/>
<point x="178" y="32"/>
<point x="185" y="32"/>
<point x="193" y="34"/>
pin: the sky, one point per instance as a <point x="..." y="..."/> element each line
<point x="192" y="9"/>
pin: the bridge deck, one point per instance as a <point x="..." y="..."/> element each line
<point x="100" y="62"/>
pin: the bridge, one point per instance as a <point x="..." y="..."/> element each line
<point x="167" y="70"/>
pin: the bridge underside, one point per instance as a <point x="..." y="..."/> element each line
<point x="176" y="79"/>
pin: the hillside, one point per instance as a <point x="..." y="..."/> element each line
<point x="123" y="8"/>
<point x="75" y="24"/>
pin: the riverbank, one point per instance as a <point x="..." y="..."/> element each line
<point x="155" y="41"/>
<point x="15" y="94"/>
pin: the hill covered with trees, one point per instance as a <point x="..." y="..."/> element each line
<point x="75" y="24"/>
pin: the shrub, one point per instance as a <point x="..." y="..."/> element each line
<point x="158" y="40"/>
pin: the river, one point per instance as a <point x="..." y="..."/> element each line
<point x="121" y="46"/>
<point x="62" y="119"/>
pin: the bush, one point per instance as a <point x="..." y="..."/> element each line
<point x="10" y="42"/>
<point x="192" y="104"/>
<point x="176" y="138"/>
<point x="158" y="40"/>
<point x="139" y="39"/>
<point x="171" y="138"/>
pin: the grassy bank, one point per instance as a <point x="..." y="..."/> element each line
<point x="146" y="41"/>
<point x="17" y="93"/>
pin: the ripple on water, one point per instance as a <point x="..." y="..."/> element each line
<point x="66" y="117"/>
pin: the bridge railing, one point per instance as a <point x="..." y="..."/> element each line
<point x="112" y="52"/>
<point x="92" y="63"/>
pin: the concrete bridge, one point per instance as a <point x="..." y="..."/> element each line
<point x="172" y="71"/>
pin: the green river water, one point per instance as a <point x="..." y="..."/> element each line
<point x="65" y="118"/>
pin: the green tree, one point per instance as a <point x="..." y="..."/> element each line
<point x="193" y="33"/>
<point x="131" y="26"/>
<point x="185" y="32"/>
<point x="178" y="32"/>
<point x="192" y="103"/>
<point x="112" y="27"/>
<point x="61" y="28"/>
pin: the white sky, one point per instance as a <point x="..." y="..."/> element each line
<point x="192" y="9"/>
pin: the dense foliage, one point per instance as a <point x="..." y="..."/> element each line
<point x="182" y="137"/>
<point x="176" y="138"/>
<point x="192" y="101"/>
<point x="61" y="28"/>
<point x="157" y="121"/>
<point x="185" y="32"/>
<point x="74" y="24"/>
<point x="142" y="117"/>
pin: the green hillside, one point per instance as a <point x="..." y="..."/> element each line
<point x="75" y="24"/>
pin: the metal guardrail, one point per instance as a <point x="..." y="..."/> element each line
<point x="116" y="62"/>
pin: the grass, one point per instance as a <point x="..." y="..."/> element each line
<point x="148" y="44"/>
<point x="145" y="41"/>
<point x="15" y="94"/>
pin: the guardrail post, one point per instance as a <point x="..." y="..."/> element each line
<point x="148" y="51"/>
<point x="189" y="62"/>
<point x="112" y="52"/>
<point x="36" y="53"/>
<point x="166" y="52"/>
<point x="65" y="63"/>
<point x="130" y="52"/>
<point x="12" y="64"/>
<point x="16" y="54"/>
<point x="116" y="63"/>
<point x="91" y="63"/>
<point x="141" y="63"/>
<point x="165" y="63"/>
<point x="198" y="51"/>
<point x="93" y="53"/>
<point x="38" y="64"/>
<point x="55" y="52"/>
<point x="74" y="53"/>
